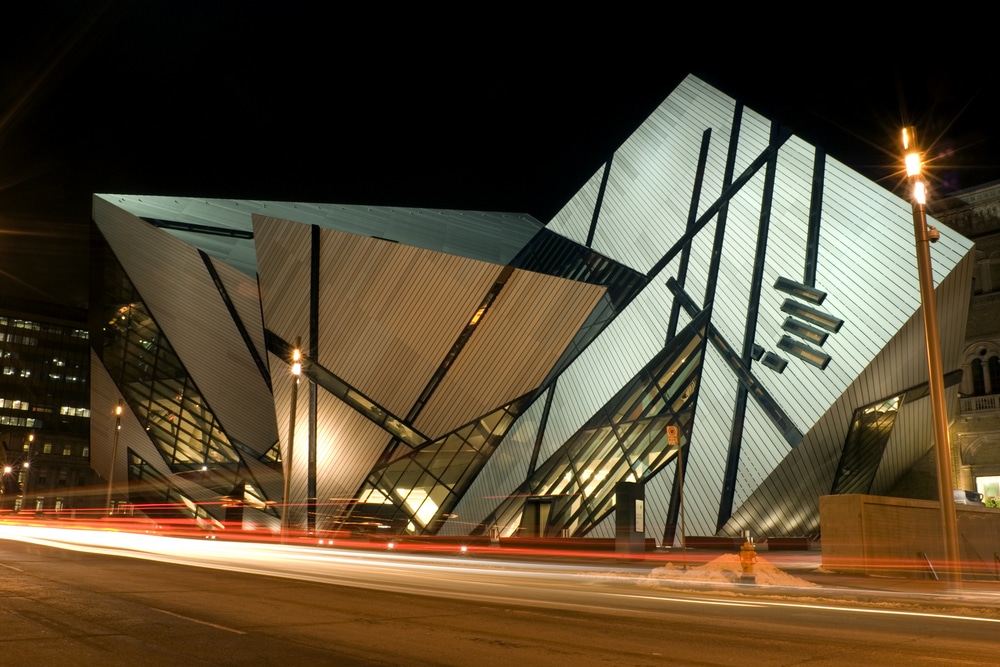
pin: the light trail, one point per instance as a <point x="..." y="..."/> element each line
<point x="482" y="579"/>
<point x="819" y="607"/>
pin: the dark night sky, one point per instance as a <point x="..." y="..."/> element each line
<point x="252" y="100"/>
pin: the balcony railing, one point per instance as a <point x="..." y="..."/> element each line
<point x="981" y="405"/>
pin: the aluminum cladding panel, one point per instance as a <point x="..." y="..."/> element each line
<point x="607" y="364"/>
<point x="649" y="189"/>
<point x="347" y="447"/>
<point x="486" y="236"/>
<point x="283" y="256"/>
<point x="515" y="345"/>
<point x="178" y="290"/>
<point x="389" y="313"/>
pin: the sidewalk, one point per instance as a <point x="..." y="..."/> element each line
<point x="807" y="565"/>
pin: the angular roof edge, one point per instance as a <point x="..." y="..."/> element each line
<point x="487" y="236"/>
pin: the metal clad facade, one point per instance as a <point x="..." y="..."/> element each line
<point x="348" y="445"/>
<point x="283" y="250"/>
<point x="381" y="329"/>
<point x="513" y="348"/>
<point x="177" y="288"/>
<point x="390" y="312"/>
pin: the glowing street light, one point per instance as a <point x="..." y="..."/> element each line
<point x="925" y="235"/>
<point x="7" y="470"/>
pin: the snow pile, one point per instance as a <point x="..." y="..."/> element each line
<point x="726" y="569"/>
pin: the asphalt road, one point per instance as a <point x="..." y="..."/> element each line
<point x="328" y="607"/>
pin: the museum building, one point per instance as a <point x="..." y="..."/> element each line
<point x="719" y="294"/>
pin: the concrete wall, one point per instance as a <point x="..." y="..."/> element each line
<point x="891" y="536"/>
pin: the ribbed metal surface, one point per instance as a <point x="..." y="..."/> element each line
<point x="381" y="329"/>
<point x="658" y="491"/>
<point x="283" y="251"/>
<point x="865" y="265"/>
<point x="348" y="446"/>
<point x="573" y="221"/>
<point x="243" y="294"/>
<point x="607" y="364"/>
<point x="786" y="500"/>
<point x="515" y="345"/>
<point x="605" y="529"/>
<point x="652" y="176"/>
<point x="176" y="287"/>
<point x="382" y="305"/>
<point x="487" y="236"/>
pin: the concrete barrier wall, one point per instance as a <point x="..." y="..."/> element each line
<point x="875" y="535"/>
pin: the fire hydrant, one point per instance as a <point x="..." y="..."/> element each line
<point x="748" y="556"/>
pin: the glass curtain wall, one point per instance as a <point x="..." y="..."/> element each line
<point x="418" y="491"/>
<point x="625" y="441"/>
<point x="155" y="385"/>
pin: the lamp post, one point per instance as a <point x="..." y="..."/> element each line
<point x="26" y="466"/>
<point x="114" y="455"/>
<point x="924" y="236"/>
<point x="7" y="470"/>
<point x="287" y="465"/>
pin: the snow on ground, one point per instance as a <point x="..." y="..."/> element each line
<point x="726" y="569"/>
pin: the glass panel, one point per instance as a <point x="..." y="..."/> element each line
<point x="625" y="440"/>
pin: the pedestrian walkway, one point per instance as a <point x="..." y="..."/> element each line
<point x="808" y="566"/>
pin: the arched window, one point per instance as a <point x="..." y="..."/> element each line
<point x="978" y="380"/>
<point x="994" y="368"/>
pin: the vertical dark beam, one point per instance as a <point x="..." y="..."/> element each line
<point x="313" y="355"/>
<point x="673" y="508"/>
<point x="750" y="328"/>
<point x="815" y="214"/>
<point x="720" y="223"/>
<point x="699" y="177"/>
<point x="600" y="201"/>
<point x="540" y="434"/>
<point x="683" y="458"/>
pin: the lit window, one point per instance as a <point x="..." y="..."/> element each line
<point x="25" y="373"/>
<point x="86" y="451"/>
<point x="67" y="450"/>
<point x="47" y="448"/>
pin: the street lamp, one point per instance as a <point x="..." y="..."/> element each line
<point x="924" y="236"/>
<point x="114" y="455"/>
<point x="296" y="362"/>
<point x="7" y="470"/>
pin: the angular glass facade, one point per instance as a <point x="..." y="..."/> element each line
<point x="866" y="442"/>
<point x="626" y="441"/>
<point x="421" y="489"/>
<point x="154" y="383"/>
<point x="465" y="377"/>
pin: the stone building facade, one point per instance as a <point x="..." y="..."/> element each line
<point x="975" y="431"/>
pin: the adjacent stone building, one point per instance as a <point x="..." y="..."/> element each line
<point x="975" y="432"/>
